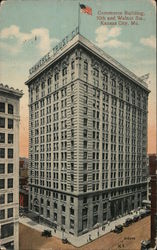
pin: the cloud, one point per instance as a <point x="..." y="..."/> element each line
<point x="40" y="37"/>
<point x="149" y="41"/>
<point x="104" y="37"/>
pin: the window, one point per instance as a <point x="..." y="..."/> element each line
<point x="85" y="65"/>
<point x="10" y="109"/>
<point x="72" y="65"/>
<point x="63" y="220"/>
<point x="2" y="107"/>
<point x="71" y="223"/>
<point x="10" y="123"/>
<point x="64" y="71"/>
<point x="2" y="168"/>
<point x="10" y="212"/>
<point x="7" y="230"/>
<point x="10" y="183"/>
<point x="10" y="197"/>
<point x="10" y="153"/>
<point x="2" y="198"/>
<point x="2" y="122"/>
<point x="2" y="183"/>
<point x="2" y="214"/>
<point x="10" y="138"/>
<point x="10" y="168"/>
<point x="2" y="153"/>
<point x="96" y="72"/>
<point x="2" y="137"/>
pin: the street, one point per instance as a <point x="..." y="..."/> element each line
<point x="129" y="239"/>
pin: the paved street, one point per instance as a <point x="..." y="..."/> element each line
<point x="129" y="239"/>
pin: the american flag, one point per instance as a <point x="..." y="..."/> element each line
<point x="86" y="9"/>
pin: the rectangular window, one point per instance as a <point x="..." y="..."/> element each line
<point x="2" y="122"/>
<point x="10" y="138"/>
<point x="2" y="214"/>
<point x="7" y="230"/>
<point x="10" y="183"/>
<point x="2" y="137"/>
<point x="2" y="168"/>
<point x="10" y="212"/>
<point x="10" y="197"/>
<point x="2" y="153"/>
<point x="10" y="153"/>
<point x="2" y="183"/>
<point x="2" y="199"/>
<point x="10" y="109"/>
<point x="10" y="123"/>
<point x="2" y="107"/>
<point x="10" y="168"/>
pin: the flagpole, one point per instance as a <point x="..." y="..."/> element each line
<point x="79" y="18"/>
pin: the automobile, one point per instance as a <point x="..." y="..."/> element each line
<point x="46" y="233"/>
<point x="145" y="244"/>
<point x="142" y="215"/>
<point x="148" y="212"/>
<point x="64" y="241"/>
<point x="136" y="218"/>
<point x="128" y="222"/>
<point x="118" y="229"/>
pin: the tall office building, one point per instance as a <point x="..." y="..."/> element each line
<point x="87" y="137"/>
<point x="9" y="167"/>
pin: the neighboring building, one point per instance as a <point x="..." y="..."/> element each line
<point x="87" y="137"/>
<point x="23" y="182"/>
<point x="9" y="166"/>
<point x="153" y="182"/>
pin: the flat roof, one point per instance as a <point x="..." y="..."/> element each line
<point x="10" y="90"/>
<point x="88" y="45"/>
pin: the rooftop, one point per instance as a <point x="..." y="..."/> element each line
<point x="10" y="90"/>
<point x="70" y="42"/>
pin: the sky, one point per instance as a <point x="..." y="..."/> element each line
<point x="30" y="28"/>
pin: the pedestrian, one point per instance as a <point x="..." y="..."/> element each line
<point x="90" y="237"/>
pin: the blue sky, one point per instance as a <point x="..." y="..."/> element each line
<point x="51" y="20"/>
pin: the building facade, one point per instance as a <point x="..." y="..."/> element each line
<point x="23" y="183"/>
<point x="153" y="183"/>
<point x="9" y="166"/>
<point x="87" y="138"/>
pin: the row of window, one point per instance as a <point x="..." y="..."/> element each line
<point x="10" y="183"/>
<point x="3" y="108"/>
<point x="9" y="198"/>
<point x="9" y="168"/>
<point x="9" y="155"/>
<point x="3" y="123"/>
<point x="9" y="213"/>
<point x="3" y="139"/>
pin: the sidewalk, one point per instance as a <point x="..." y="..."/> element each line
<point x="80" y="240"/>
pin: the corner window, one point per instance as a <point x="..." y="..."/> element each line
<point x="10" y="138"/>
<point x="10" y="197"/>
<point x="10" y="123"/>
<point x="10" y="212"/>
<point x="10" y="153"/>
<point x="10" y="183"/>
<point x="10" y="109"/>
<point x="10" y="168"/>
